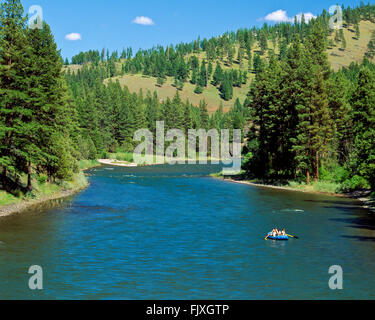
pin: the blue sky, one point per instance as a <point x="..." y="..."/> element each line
<point x="111" y="23"/>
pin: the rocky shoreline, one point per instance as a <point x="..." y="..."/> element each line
<point x="18" y="208"/>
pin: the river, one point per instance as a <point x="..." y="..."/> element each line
<point x="172" y="232"/>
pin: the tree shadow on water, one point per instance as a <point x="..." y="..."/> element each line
<point x="360" y="238"/>
<point x="347" y="209"/>
<point x="364" y="223"/>
<point x="346" y="203"/>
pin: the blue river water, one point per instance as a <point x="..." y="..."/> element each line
<point x="172" y="232"/>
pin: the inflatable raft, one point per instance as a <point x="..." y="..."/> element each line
<point x="279" y="238"/>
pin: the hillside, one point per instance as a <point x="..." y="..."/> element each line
<point x="354" y="52"/>
<point x="210" y="94"/>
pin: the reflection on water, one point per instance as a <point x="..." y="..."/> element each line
<point x="170" y="232"/>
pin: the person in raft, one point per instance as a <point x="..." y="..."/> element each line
<point x="277" y="233"/>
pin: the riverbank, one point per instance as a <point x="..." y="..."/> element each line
<point x="22" y="205"/>
<point x="156" y="161"/>
<point x="118" y="163"/>
<point x="47" y="192"/>
<point x="363" y="196"/>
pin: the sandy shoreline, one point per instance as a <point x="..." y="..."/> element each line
<point x="114" y="162"/>
<point x="362" y="196"/>
<point x="117" y="163"/>
<point x="286" y="188"/>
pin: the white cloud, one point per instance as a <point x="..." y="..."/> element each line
<point x="281" y="16"/>
<point x="308" y="16"/>
<point x="144" y="21"/>
<point x="73" y="37"/>
<point x="277" y="16"/>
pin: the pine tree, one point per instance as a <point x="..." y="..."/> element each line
<point x="317" y="47"/>
<point x="263" y="43"/>
<point x="357" y="31"/>
<point x="176" y="115"/>
<point x="198" y="89"/>
<point x="187" y="117"/>
<point x="320" y="128"/>
<point x="283" y="50"/>
<point x="226" y="88"/>
<point x="341" y="114"/>
<point x="257" y="67"/>
<point x="203" y="76"/>
<point x="209" y="70"/>
<point x="194" y="76"/>
<point x="313" y="122"/>
<point x="203" y="114"/>
<point x="299" y="76"/>
<point x="240" y="57"/>
<point x="337" y="37"/>
<point x="303" y="27"/>
<point x="269" y="120"/>
<point x="363" y="102"/>
<point x="343" y="43"/>
<point x="231" y="53"/>
<point x="160" y="81"/>
<point x="152" y="112"/>
<point x="218" y="75"/>
<point x="15" y="158"/>
<point x="48" y="101"/>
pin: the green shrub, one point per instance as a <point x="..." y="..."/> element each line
<point x="7" y="198"/>
<point x="104" y="155"/>
<point x="217" y="175"/>
<point x="87" y="164"/>
<point x="296" y="184"/>
<point x="122" y="156"/>
<point x="355" y="183"/>
<point x="341" y="174"/>
<point x="48" y="189"/>
<point x="42" y="179"/>
<point x="198" y="90"/>
<point x="324" y="186"/>
<point x="333" y="173"/>
<point x="247" y="158"/>
<point x="78" y="181"/>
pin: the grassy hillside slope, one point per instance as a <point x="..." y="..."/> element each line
<point x="354" y="52"/>
<point x="210" y="94"/>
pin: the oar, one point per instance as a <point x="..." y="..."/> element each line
<point x="292" y="236"/>
<point x="266" y="238"/>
